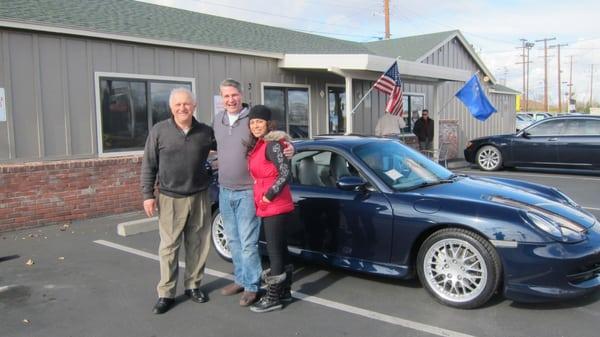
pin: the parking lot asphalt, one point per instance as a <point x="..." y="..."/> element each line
<point x="85" y="280"/>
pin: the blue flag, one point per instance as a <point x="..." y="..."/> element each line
<point x="473" y="97"/>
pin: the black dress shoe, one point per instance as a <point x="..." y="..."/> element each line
<point x="196" y="295"/>
<point x="163" y="305"/>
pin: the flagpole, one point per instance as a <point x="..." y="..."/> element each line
<point x="454" y="95"/>
<point x="362" y="99"/>
<point x="368" y="92"/>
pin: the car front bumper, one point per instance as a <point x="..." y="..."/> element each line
<point x="540" y="272"/>
<point x="469" y="153"/>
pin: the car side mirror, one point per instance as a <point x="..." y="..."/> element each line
<point x="525" y="134"/>
<point x="351" y="183"/>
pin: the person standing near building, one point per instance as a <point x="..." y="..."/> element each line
<point x="236" y="204"/>
<point x="273" y="200"/>
<point x="175" y="152"/>
<point x="388" y="125"/>
<point x="423" y="129"/>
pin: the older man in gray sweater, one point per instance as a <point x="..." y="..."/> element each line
<point x="175" y="153"/>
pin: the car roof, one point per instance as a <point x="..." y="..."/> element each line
<point x="574" y="117"/>
<point x="341" y="141"/>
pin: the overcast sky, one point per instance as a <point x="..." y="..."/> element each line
<point x="493" y="27"/>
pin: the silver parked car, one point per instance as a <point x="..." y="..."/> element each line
<point x="523" y="121"/>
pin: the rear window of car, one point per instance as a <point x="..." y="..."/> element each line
<point x="585" y="127"/>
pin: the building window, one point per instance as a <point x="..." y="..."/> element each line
<point x="336" y="98"/>
<point x="413" y="105"/>
<point x="129" y="107"/>
<point x="289" y="106"/>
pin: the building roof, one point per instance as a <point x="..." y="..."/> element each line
<point x="138" y="19"/>
<point x="154" y="24"/>
<point x="504" y="89"/>
<point x="410" y="48"/>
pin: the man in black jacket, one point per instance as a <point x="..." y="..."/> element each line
<point x="423" y="129"/>
<point x="175" y="153"/>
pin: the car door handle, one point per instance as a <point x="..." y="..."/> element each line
<point x="553" y="139"/>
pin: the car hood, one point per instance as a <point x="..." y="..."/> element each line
<point x="525" y="195"/>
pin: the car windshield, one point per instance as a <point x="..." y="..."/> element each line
<point x="401" y="167"/>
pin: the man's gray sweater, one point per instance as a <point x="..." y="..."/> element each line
<point x="177" y="159"/>
<point x="231" y="140"/>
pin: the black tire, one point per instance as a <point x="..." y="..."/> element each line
<point x="459" y="268"/>
<point x="489" y="158"/>
<point x="218" y="238"/>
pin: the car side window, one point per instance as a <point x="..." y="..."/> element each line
<point x="549" y="128"/>
<point x="591" y="127"/>
<point x="320" y="168"/>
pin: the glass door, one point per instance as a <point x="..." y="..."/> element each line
<point x="336" y="100"/>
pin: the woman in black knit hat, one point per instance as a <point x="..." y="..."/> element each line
<point x="270" y="170"/>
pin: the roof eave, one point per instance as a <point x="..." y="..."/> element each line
<point x="111" y="36"/>
<point x="504" y="92"/>
<point x="370" y="67"/>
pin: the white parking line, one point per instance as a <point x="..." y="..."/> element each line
<point x="313" y="299"/>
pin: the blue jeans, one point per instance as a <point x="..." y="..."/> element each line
<point x="242" y="228"/>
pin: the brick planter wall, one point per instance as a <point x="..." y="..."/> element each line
<point x="41" y="193"/>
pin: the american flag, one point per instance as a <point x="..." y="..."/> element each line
<point x="390" y="84"/>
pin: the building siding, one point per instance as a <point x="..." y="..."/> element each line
<point x="453" y="55"/>
<point x="50" y="88"/>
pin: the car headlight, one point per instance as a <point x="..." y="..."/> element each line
<point x="558" y="227"/>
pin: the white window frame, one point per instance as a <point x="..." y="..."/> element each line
<point x="327" y="86"/>
<point x="98" y="75"/>
<point x="288" y="85"/>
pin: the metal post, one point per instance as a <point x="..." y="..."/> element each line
<point x="349" y="104"/>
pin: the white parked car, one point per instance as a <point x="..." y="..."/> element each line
<point x="538" y="116"/>
<point x="523" y="121"/>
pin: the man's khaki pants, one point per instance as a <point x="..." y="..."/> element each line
<point x="186" y="219"/>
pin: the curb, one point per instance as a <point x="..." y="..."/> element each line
<point x="137" y="226"/>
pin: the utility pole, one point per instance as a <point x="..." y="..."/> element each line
<point x="546" y="70"/>
<point x="591" y="85"/>
<point x="505" y="73"/>
<point x="557" y="46"/>
<point x="525" y="46"/>
<point x="386" y="9"/>
<point x="570" y="84"/>
<point x="523" y="41"/>
<point x="529" y="45"/>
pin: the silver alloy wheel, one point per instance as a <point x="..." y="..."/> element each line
<point x="219" y="238"/>
<point x="455" y="270"/>
<point x="489" y="158"/>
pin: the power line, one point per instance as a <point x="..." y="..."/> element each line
<point x="277" y="15"/>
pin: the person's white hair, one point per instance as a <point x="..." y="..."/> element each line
<point x="182" y="90"/>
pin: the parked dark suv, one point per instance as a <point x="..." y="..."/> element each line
<point x="562" y="142"/>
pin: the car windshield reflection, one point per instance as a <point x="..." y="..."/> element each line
<point x="401" y="168"/>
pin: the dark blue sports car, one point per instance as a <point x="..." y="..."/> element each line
<point x="377" y="206"/>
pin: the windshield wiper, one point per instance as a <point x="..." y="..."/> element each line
<point x="430" y="183"/>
